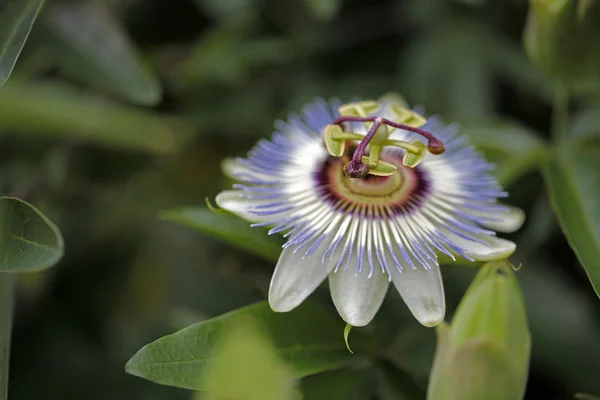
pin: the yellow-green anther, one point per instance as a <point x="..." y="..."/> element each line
<point x="408" y="117"/>
<point x="335" y="139"/>
<point x="484" y="353"/>
<point x="381" y="169"/>
<point x="334" y="145"/>
<point x="359" y="108"/>
<point x="412" y="159"/>
<point x="410" y="147"/>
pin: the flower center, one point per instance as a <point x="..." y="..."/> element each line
<point x="397" y="193"/>
<point x="372" y="185"/>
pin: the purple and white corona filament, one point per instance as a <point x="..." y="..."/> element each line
<point x="362" y="200"/>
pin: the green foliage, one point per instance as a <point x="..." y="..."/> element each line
<point x="229" y="229"/>
<point x="16" y="19"/>
<point x="29" y="241"/>
<point x="89" y="44"/>
<point x="246" y="367"/>
<point x="572" y="178"/>
<point x="512" y="147"/>
<point x="309" y="339"/>
<point x="585" y="126"/>
<point x="58" y="111"/>
<point x="7" y="293"/>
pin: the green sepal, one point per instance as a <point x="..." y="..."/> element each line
<point x="347" y="330"/>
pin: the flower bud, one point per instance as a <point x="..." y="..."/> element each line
<point x="561" y="37"/>
<point x="484" y="353"/>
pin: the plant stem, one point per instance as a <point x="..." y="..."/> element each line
<point x="560" y="116"/>
<point x="7" y="292"/>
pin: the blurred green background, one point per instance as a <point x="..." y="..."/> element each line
<point x="120" y="109"/>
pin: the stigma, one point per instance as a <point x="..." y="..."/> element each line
<point x="378" y="136"/>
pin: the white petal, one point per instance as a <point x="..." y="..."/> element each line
<point x="423" y="292"/>
<point x="507" y="222"/>
<point x="295" y="278"/>
<point x="235" y="170"/>
<point x="235" y="201"/>
<point x="494" y="247"/>
<point x="356" y="296"/>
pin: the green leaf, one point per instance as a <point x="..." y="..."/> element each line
<point x="325" y="10"/>
<point x="92" y="46"/>
<point x="247" y="356"/>
<point x="512" y="147"/>
<point x="16" y="20"/>
<point x="572" y="177"/>
<point x="7" y="297"/>
<point x="29" y="241"/>
<point x="309" y="339"/>
<point x="57" y="111"/>
<point x="229" y="54"/>
<point x="228" y="228"/>
<point x="585" y="125"/>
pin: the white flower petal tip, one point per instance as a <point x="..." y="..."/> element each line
<point x="295" y="278"/>
<point x="358" y="297"/>
<point x="423" y="292"/>
<point x="433" y="322"/>
<point x="508" y="222"/>
<point x="236" y="201"/>
<point x="231" y="168"/>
